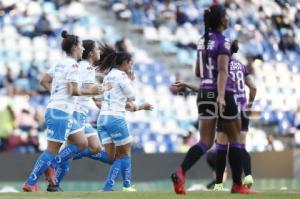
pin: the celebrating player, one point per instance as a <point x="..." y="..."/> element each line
<point x="87" y="79"/>
<point x="111" y="125"/>
<point x="59" y="120"/>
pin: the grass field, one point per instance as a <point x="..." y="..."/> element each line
<point x="148" y="195"/>
<point x="267" y="188"/>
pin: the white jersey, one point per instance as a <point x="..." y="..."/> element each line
<point x="62" y="74"/>
<point x="114" y="100"/>
<point x="87" y="75"/>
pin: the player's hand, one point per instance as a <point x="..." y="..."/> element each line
<point x="180" y="84"/>
<point x="106" y="87"/>
<point x="221" y="103"/>
<point x="130" y="74"/>
<point x="147" y="107"/>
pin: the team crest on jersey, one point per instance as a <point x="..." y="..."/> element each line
<point x="70" y="123"/>
<point x="50" y="132"/>
<point x="89" y="68"/>
<point x="210" y="44"/>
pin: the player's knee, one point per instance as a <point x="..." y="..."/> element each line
<point x="95" y="149"/>
<point x="82" y="144"/>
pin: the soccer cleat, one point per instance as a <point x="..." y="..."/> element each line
<point x="178" y="179"/>
<point x="248" y="180"/>
<point x="54" y="188"/>
<point x="30" y="188"/>
<point x="241" y="189"/>
<point x="50" y="175"/>
<point x="218" y="187"/>
<point x="129" y="189"/>
<point x="211" y="185"/>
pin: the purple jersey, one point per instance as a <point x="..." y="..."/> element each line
<point x="238" y="73"/>
<point x="217" y="45"/>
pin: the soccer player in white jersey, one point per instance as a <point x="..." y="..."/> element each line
<point x="87" y="79"/>
<point x="59" y="120"/>
<point x="111" y="124"/>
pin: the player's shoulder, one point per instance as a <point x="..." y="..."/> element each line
<point x="223" y="40"/>
<point x="84" y="63"/>
<point x="234" y="60"/>
<point x="117" y="73"/>
<point x="86" y="66"/>
<point x="69" y="62"/>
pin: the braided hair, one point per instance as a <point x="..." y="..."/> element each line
<point x="212" y="21"/>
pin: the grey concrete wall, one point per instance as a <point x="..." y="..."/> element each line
<point x="149" y="167"/>
<point x="296" y="163"/>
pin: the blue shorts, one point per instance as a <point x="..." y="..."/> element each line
<point x="60" y="125"/>
<point x="81" y="118"/>
<point x="113" y="129"/>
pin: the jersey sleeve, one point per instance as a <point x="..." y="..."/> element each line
<point x="126" y="86"/>
<point x="224" y="47"/>
<point x="72" y="74"/>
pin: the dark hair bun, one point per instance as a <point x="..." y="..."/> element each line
<point x="64" y="34"/>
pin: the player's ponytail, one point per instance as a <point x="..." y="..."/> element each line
<point x="212" y="21"/>
<point x="207" y="28"/>
<point x="110" y="58"/>
<point x="107" y="57"/>
<point x="68" y="41"/>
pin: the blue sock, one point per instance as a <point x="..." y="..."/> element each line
<point x="102" y="156"/>
<point x="61" y="170"/>
<point x="113" y="175"/>
<point x="126" y="171"/>
<point x="67" y="153"/>
<point x="41" y="165"/>
<point x="84" y="153"/>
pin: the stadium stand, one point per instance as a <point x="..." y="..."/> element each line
<point x="270" y="44"/>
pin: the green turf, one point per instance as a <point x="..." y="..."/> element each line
<point x="147" y="195"/>
<point x="162" y="185"/>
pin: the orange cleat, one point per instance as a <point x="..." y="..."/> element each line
<point x="50" y="175"/>
<point x="30" y="188"/>
<point x="241" y="189"/>
<point x="178" y="179"/>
